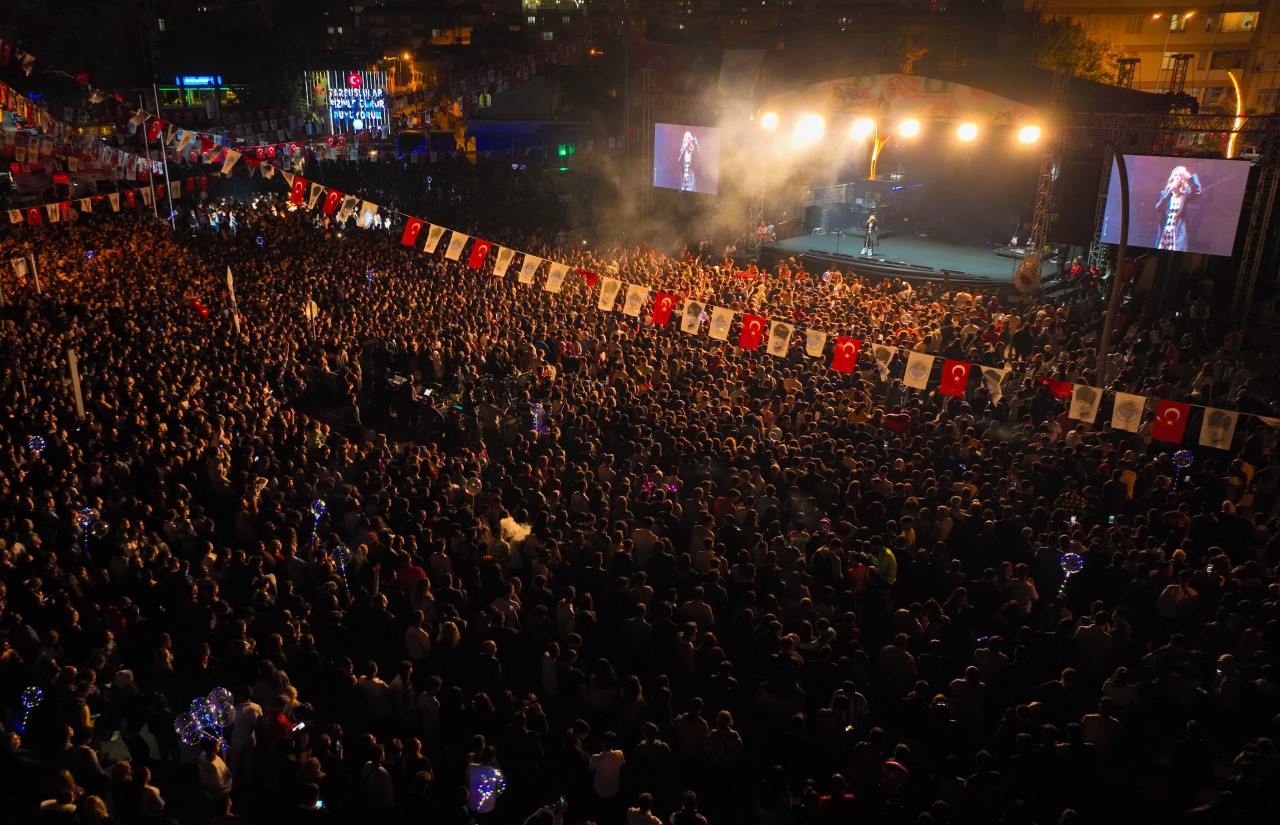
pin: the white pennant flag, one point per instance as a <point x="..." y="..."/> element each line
<point x="779" y="339"/>
<point x="368" y="211"/>
<point x="608" y="293"/>
<point x="288" y="178"/>
<point x="19" y="267"/>
<point x="1273" y="423"/>
<point x="231" y="284"/>
<point x="692" y="320"/>
<point x="916" y="375"/>
<point x="86" y="205"/>
<point x="186" y="140"/>
<point x="883" y="355"/>
<point x="721" y="319"/>
<point x="53" y="212"/>
<point x="815" y="341"/>
<point x="230" y="161"/>
<point x="993" y="380"/>
<point x="268" y="171"/>
<point x="147" y="194"/>
<point x="114" y="200"/>
<point x="1218" y="428"/>
<point x="1085" y="401"/>
<point x="317" y="189"/>
<point x="636" y="296"/>
<point x="15" y="216"/>
<point x="456" y="242"/>
<point x="555" y="277"/>
<point x="500" y="264"/>
<point x="529" y="268"/>
<point x="434" y="234"/>
<point x="1127" y="413"/>
<point x="349" y="204"/>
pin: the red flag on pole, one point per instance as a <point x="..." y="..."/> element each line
<point x="1171" y="421"/>
<point x="752" y="332"/>
<point x="955" y="375"/>
<point x="154" y="128"/>
<point x="298" y="191"/>
<point x="589" y="276"/>
<point x="1060" y="389"/>
<point x="332" y="199"/>
<point x="479" y="251"/>
<point x="845" y="358"/>
<point x="663" y="303"/>
<point x="411" y="230"/>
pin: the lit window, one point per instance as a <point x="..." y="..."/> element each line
<point x="331" y="30"/>
<point x="160" y="23"/>
<point x="548" y="35"/>
<point x="339" y="30"/>
<point x="1240" y="21"/>
<point x="435" y="32"/>
<point x="531" y="19"/>
<point x="1178" y="22"/>
<point x="565" y="19"/>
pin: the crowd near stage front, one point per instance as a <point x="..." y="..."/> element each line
<point x="914" y="258"/>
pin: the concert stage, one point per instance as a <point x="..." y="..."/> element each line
<point x="910" y="257"/>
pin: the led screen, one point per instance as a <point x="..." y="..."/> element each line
<point x="686" y="158"/>
<point x="1180" y="204"/>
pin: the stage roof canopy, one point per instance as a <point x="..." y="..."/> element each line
<point x="904" y="95"/>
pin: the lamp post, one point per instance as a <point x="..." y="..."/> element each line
<point x="1113" y="300"/>
<point x="1184" y="17"/>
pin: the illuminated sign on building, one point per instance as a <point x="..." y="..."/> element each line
<point x="349" y="101"/>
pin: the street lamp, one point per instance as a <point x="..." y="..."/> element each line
<point x="1173" y="19"/>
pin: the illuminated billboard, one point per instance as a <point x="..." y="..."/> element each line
<point x="353" y="101"/>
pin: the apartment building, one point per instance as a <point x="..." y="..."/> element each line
<point x="1226" y="40"/>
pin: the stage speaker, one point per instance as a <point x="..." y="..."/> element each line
<point x="842" y="216"/>
<point x="1075" y="200"/>
<point x="815" y="217"/>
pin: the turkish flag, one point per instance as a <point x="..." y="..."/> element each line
<point x="663" y="303"/>
<point x="159" y="190"/>
<point x="34" y="218"/>
<point x="207" y="144"/>
<point x="332" y="200"/>
<point x="589" y="276"/>
<point x="752" y="331"/>
<point x="411" y="230"/>
<point x="845" y="358"/>
<point x="342" y="140"/>
<point x="479" y="251"/>
<point x="1060" y="389"/>
<point x="262" y="153"/>
<point x="129" y="198"/>
<point x="1171" y="421"/>
<point x="204" y="183"/>
<point x="154" y="128"/>
<point x="298" y="191"/>
<point x="189" y="184"/>
<point x="271" y="151"/>
<point x="955" y="375"/>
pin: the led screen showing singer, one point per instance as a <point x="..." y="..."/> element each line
<point x="686" y="158"/>
<point x="1179" y="204"/>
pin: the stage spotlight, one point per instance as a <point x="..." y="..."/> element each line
<point x="967" y="131"/>
<point x="909" y="128"/>
<point x="863" y="128"/>
<point x="769" y="121"/>
<point x="1029" y="134"/>
<point x="809" y="129"/>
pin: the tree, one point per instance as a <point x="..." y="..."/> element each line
<point x="1064" y="41"/>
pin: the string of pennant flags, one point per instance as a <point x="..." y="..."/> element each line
<point x="1169" y="423"/>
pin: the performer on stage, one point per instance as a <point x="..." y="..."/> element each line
<point x="1181" y="187"/>
<point x="871" y="238"/>
<point x="688" y="146"/>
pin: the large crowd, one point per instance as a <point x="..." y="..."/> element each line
<point x="638" y="575"/>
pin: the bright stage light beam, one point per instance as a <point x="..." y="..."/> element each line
<point x="809" y="129"/>
<point x="967" y="131"/>
<point x="769" y="121"/>
<point x="863" y="128"/>
<point x="1029" y="134"/>
<point x="909" y="128"/>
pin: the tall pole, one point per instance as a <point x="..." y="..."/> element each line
<point x="155" y="207"/>
<point x="1113" y="302"/>
<point x="164" y="157"/>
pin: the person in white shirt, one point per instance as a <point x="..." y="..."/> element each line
<point x="642" y="813"/>
<point x="242" y="733"/>
<point x="607" y="767"/>
<point x="215" y="776"/>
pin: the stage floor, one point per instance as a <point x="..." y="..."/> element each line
<point x="920" y="257"/>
